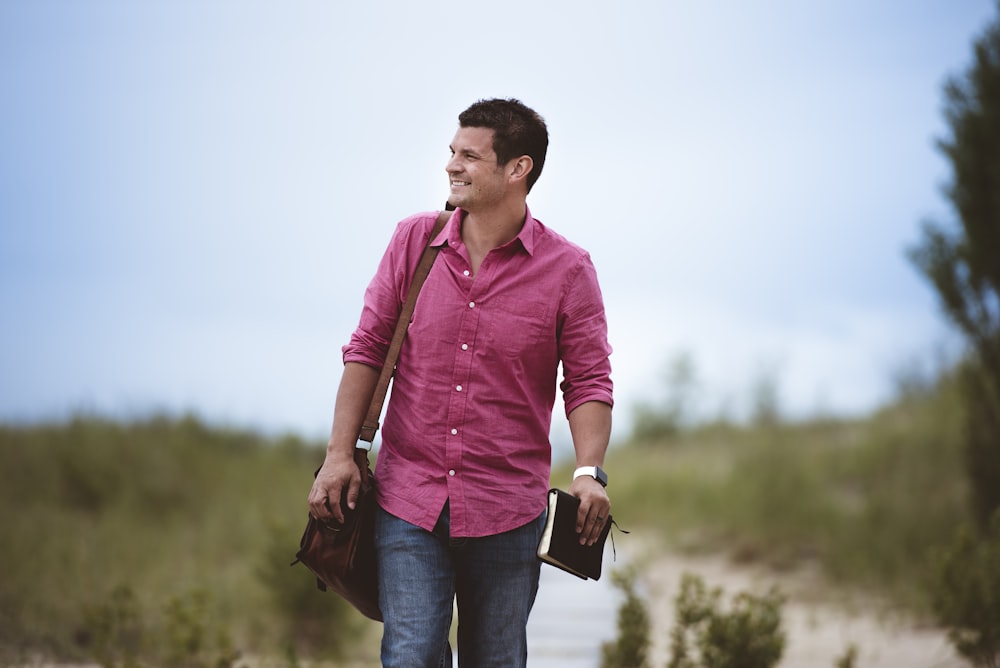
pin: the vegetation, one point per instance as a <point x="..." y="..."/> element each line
<point x="874" y="502"/>
<point x="705" y="635"/>
<point x="963" y="264"/>
<point x="866" y="499"/>
<point x="966" y="593"/>
<point x="166" y="542"/>
<point x="160" y="542"/>
<point x="630" y="647"/>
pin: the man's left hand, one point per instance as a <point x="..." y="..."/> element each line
<point x="595" y="508"/>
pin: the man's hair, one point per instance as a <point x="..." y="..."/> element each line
<point x="517" y="130"/>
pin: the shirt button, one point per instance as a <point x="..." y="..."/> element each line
<point x="458" y="388"/>
<point x="451" y="472"/>
<point x="454" y="431"/>
<point x="466" y="272"/>
<point x="465" y="346"/>
<point x="472" y="304"/>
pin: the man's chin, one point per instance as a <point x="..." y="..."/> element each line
<point x="456" y="200"/>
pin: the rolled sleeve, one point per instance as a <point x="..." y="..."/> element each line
<point x="583" y="341"/>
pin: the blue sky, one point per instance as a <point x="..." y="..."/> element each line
<point x="193" y="195"/>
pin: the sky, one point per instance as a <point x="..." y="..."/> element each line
<point x="194" y="194"/>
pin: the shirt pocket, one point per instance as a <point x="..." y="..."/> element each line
<point x="518" y="327"/>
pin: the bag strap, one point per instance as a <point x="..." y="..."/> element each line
<point x="371" y="423"/>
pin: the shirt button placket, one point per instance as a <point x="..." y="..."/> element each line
<point x="457" y="403"/>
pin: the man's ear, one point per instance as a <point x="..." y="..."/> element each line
<point x="520" y="168"/>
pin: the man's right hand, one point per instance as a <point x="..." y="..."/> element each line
<point x="339" y="472"/>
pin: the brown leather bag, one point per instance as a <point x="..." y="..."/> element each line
<point x="342" y="556"/>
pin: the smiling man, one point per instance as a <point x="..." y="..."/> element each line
<point x="463" y="470"/>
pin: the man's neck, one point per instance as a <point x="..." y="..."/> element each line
<point x="485" y="230"/>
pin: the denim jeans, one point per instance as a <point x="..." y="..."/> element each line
<point x="494" y="580"/>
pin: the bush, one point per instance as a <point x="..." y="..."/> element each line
<point x="188" y="634"/>
<point x="704" y="635"/>
<point x="966" y="593"/>
<point x="112" y="630"/>
<point x="629" y="650"/>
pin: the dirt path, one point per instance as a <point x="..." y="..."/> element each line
<point x="819" y="630"/>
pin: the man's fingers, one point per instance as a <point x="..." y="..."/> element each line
<point x="336" y="488"/>
<point x="321" y="507"/>
<point x="592" y="523"/>
<point x="353" y="489"/>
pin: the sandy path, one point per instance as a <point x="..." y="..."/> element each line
<point x="818" y="631"/>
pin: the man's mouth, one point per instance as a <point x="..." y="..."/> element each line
<point x="459" y="183"/>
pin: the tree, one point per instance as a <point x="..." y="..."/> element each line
<point x="963" y="263"/>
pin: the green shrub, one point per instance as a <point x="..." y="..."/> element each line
<point x="193" y="634"/>
<point x="113" y="630"/>
<point x="966" y="593"/>
<point x="188" y="632"/>
<point x="630" y="648"/>
<point x="748" y="635"/>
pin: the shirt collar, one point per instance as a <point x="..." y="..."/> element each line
<point x="450" y="230"/>
<point x="527" y="233"/>
<point x="451" y="234"/>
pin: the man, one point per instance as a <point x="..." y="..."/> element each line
<point x="464" y="464"/>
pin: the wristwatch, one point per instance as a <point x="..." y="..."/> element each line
<point x="595" y="472"/>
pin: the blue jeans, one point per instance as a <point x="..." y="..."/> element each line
<point x="421" y="573"/>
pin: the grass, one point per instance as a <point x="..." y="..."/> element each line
<point x="173" y="517"/>
<point x="867" y="499"/>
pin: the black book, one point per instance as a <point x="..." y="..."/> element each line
<point x="560" y="543"/>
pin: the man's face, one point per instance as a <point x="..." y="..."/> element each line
<point x="477" y="182"/>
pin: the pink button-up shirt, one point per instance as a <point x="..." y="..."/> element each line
<point x="471" y="403"/>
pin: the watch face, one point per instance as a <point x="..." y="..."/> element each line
<point x="602" y="477"/>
